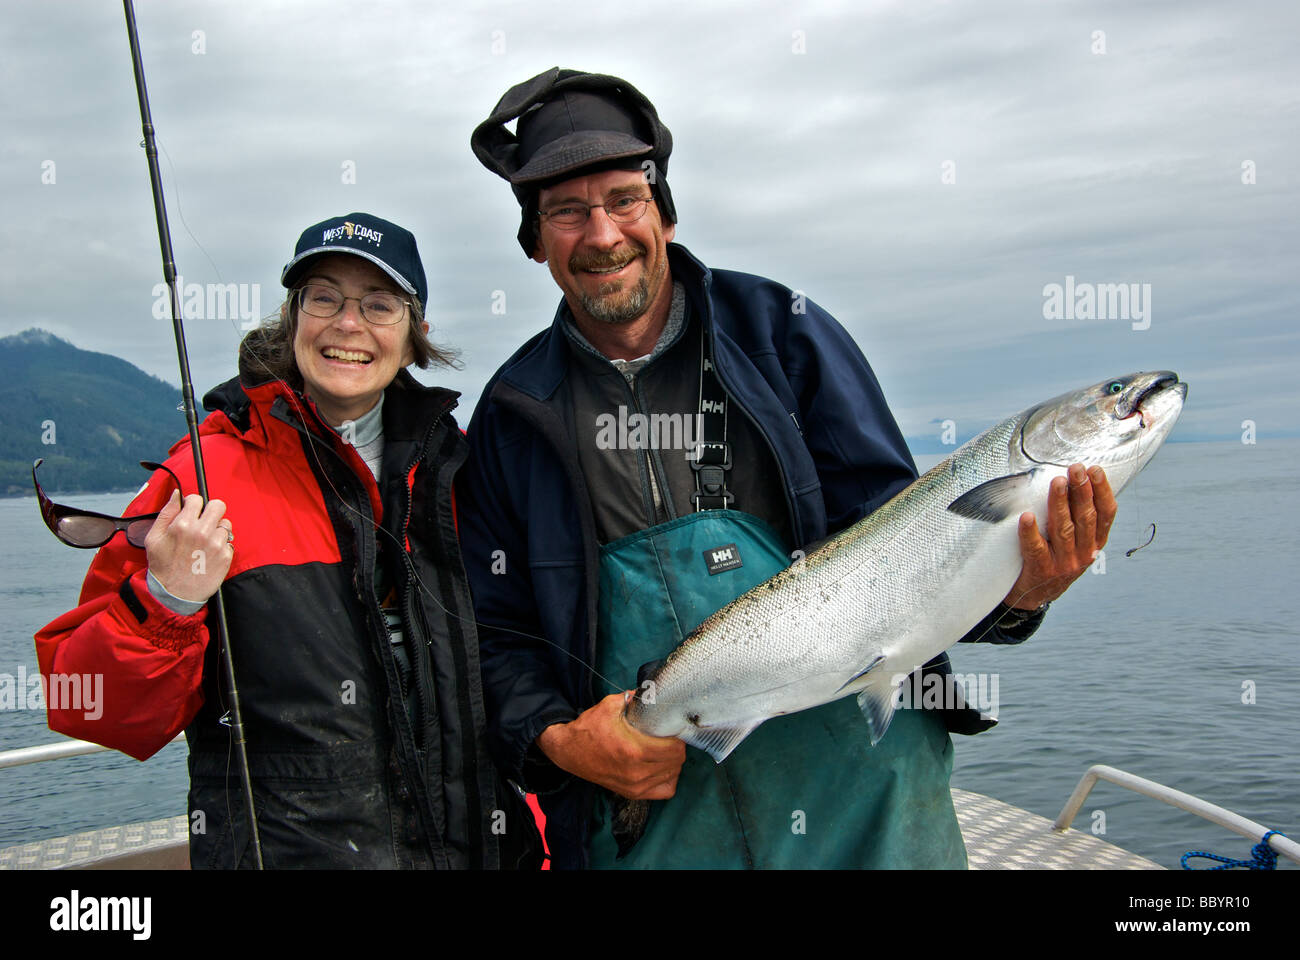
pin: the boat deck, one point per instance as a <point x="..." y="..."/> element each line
<point x="156" y="845"/>
<point x="998" y="837"/>
<point x="1002" y="837"/>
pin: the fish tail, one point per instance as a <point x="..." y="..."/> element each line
<point x="627" y="822"/>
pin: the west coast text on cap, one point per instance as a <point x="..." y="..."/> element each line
<point x="383" y="243"/>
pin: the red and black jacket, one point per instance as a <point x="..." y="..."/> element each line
<point x="344" y="774"/>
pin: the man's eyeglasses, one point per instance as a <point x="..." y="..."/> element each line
<point x="83" y="528"/>
<point x="383" y="309"/>
<point x="571" y="216"/>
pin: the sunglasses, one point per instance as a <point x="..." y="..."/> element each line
<point x="86" y="529"/>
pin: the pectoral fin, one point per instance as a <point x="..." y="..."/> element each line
<point x="718" y="742"/>
<point x="996" y="499"/>
<point x="877" y="702"/>
<point x="875" y="662"/>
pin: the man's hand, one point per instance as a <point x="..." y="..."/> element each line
<point x="1080" y="511"/>
<point x="189" y="547"/>
<point x="602" y="747"/>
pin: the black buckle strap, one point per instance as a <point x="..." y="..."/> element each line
<point x="711" y="463"/>
<point x="712" y="455"/>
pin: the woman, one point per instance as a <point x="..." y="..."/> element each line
<point x="351" y="626"/>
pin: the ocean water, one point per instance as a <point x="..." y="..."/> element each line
<point x="1150" y="665"/>
<point x="40" y="578"/>
<point x="1145" y="667"/>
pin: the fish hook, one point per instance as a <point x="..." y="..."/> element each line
<point x="1129" y="553"/>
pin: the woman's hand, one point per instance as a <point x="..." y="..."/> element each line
<point x="190" y="547"/>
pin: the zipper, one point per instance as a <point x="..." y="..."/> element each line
<point x="421" y="673"/>
<point x="795" y="531"/>
<point x="379" y="625"/>
<point x="731" y="395"/>
<point x="657" y="483"/>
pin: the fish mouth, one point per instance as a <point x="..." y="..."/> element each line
<point x="1067" y="428"/>
<point x="1130" y="406"/>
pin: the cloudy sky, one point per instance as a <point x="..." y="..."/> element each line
<point x="923" y="170"/>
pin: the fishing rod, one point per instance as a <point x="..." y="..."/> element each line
<point x="191" y="418"/>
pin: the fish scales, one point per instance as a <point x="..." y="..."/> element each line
<point x="881" y="598"/>
<point x="846" y="600"/>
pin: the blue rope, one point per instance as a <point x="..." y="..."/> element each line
<point x="1265" y="858"/>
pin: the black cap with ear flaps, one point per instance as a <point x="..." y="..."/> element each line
<point x="570" y="122"/>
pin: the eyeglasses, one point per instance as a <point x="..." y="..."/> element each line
<point x="571" y="216"/>
<point x="383" y="309"/>
<point x="85" y="529"/>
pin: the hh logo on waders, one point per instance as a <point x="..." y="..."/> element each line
<point x="722" y="558"/>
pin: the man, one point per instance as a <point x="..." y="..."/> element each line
<point x="588" y="537"/>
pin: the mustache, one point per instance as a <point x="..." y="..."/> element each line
<point x="604" y="261"/>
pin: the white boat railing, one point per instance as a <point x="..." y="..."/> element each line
<point x="1185" y="801"/>
<point x="1238" y="824"/>
<point x="56" y="751"/>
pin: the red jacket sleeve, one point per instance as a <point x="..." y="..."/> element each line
<point x="120" y="669"/>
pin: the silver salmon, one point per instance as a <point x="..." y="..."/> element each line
<point x="864" y="610"/>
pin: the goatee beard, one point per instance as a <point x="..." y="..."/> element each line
<point x="614" y="308"/>
<point x="610" y="305"/>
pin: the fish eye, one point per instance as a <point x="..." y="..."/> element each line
<point x="1114" y="386"/>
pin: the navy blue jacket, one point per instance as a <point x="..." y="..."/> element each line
<point x="527" y="530"/>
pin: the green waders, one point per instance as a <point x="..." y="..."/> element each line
<point x="802" y="791"/>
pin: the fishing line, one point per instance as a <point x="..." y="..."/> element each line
<point x="149" y="144"/>
<point x="379" y="528"/>
<point x="176" y="180"/>
<point x="224" y="719"/>
<point x="337" y="495"/>
<point x="1137" y="505"/>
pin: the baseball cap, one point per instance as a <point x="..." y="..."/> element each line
<point x="383" y="243"/>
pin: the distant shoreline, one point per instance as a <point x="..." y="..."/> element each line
<point x="918" y="451"/>
<point x="69" y="493"/>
